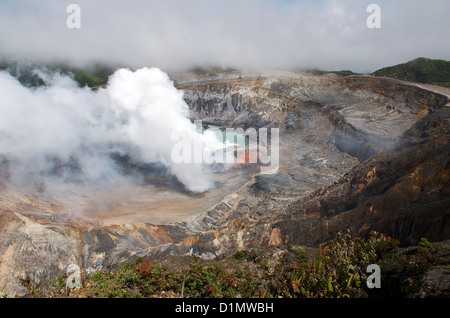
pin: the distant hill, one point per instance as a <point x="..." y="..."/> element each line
<point x="420" y="70"/>
<point x="341" y="73"/>
<point x="94" y="76"/>
<point x="28" y="72"/>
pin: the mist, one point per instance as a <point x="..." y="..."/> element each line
<point x="60" y="137"/>
<point x="177" y="35"/>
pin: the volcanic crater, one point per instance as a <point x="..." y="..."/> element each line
<point x="359" y="152"/>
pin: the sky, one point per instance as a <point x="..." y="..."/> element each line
<point x="245" y="34"/>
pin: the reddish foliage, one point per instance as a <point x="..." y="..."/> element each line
<point x="145" y="269"/>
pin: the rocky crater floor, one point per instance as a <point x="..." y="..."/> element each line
<point x="359" y="152"/>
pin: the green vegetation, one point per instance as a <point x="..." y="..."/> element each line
<point x="25" y="73"/>
<point x="239" y="255"/>
<point x="340" y="73"/>
<point x="338" y="270"/>
<point x="3" y="65"/>
<point x="211" y="69"/>
<point x="426" y="245"/>
<point x="31" y="74"/>
<point x="420" y="70"/>
<point x="94" y="76"/>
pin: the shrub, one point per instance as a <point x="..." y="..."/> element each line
<point x="339" y="270"/>
<point x="426" y="245"/>
<point x="302" y="255"/>
<point x="239" y="255"/>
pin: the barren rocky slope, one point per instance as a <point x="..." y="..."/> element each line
<point x="356" y="152"/>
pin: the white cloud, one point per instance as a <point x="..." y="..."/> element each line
<point x="328" y="34"/>
<point x="62" y="132"/>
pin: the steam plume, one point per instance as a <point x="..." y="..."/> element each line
<point x="60" y="135"/>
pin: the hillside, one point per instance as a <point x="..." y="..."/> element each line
<point x="27" y="73"/>
<point x="420" y="70"/>
<point x="341" y="73"/>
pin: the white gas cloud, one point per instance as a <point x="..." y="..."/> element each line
<point x="61" y="135"/>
